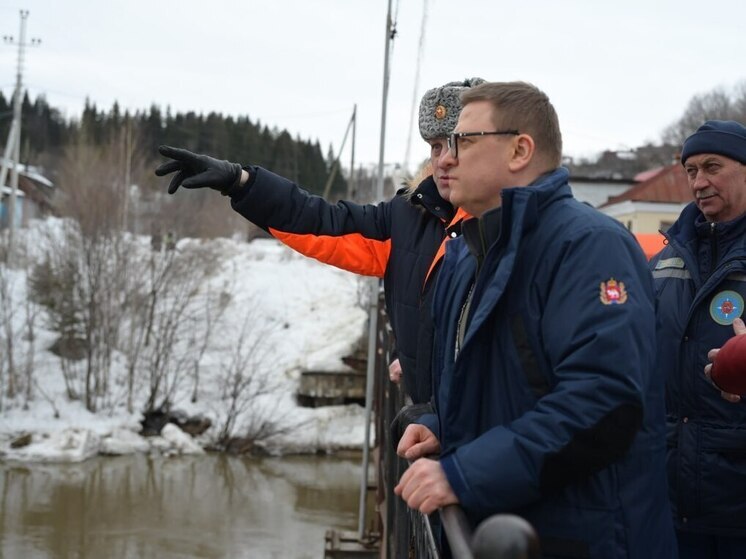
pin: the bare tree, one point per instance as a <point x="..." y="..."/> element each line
<point x="18" y="315"/>
<point x="717" y="104"/>
<point x="77" y="281"/>
<point x="52" y="284"/>
<point x="214" y="307"/>
<point x="87" y="263"/>
<point x="89" y="178"/>
<point x="30" y="319"/>
<point x="172" y="303"/>
<point x="739" y="101"/>
<point x="8" y="334"/>
<point x="247" y="381"/>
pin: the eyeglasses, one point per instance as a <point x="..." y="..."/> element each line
<point x="454" y="137"/>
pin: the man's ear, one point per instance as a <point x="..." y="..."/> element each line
<point x="523" y="152"/>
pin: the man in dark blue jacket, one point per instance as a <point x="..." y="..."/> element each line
<point x="700" y="282"/>
<point x="546" y="398"/>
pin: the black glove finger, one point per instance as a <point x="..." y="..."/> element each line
<point x="206" y="178"/>
<point x="175" y="182"/>
<point x="178" y="153"/>
<point x="169" y="167"/>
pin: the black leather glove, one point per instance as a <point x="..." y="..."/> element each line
<point x="198" y="171"/>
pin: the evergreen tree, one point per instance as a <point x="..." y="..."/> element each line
<point x="47" y="135"/>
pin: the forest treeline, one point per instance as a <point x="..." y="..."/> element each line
<point x="128" y="144"/>
<point x="46" y="133"/>
<point x="121" y="148"/>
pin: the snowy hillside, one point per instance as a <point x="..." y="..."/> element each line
<point x="294" y="312"/>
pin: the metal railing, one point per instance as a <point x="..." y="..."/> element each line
<point x="502" y="536"/>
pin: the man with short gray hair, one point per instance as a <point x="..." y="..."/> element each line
<point x="700" y="282"/>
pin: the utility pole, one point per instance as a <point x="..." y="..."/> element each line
<point x="335" y="163"/>
<point x="351" y="181"/>
<point x="374" y="285"/>
<point x="13" y="144"/>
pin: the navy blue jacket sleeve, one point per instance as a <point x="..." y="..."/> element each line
<point x="275" y="203"/>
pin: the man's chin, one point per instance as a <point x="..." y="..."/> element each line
<point x="444" y="192"/>
<point x="707" y="207"/>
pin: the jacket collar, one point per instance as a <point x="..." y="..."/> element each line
<point x="426" y="195"/>
<point x="521" y="207"/>
<point x="481" y="233"/>
<point x="726" y="231"/>
<point x="692" y="225"/>
<point x="528" y="201"/>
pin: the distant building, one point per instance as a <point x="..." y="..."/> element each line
<point x="597" y="191"/>
<point x="653" y="204"/>
<point x="34" y="197"/>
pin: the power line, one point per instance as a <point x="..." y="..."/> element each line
<point x="415" y="92"/>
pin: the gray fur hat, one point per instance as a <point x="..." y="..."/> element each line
<point x="440" y="107"/>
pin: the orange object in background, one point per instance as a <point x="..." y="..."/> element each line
<point x="651" y="243"/>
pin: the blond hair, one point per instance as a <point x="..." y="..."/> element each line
<point x="524" y="107"/>
<point x="425" y="170"/>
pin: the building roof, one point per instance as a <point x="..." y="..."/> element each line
<point x="32" y="185"/>
<point x="667" y="185"/>
<point x="649" y="174"/>
<point x="596" y="193"/>
<point x="621" y="210"/>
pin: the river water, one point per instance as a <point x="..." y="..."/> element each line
<point x="211" y="506"/>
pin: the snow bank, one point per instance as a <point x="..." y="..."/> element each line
<point x="315" y="318"/>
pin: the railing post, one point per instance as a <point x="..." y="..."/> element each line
<point x="505" y="536"/>
<point x="458" y="531"/>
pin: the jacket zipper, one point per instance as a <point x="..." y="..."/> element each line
<point x="713" y="249"/>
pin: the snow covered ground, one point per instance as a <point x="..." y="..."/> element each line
<point x="313" y="317"/>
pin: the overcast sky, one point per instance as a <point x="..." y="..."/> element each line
<point x="617" y="72"/>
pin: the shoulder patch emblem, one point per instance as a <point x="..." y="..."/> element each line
<point x="725" y="307"/>
<point x="612" y="292"/>
<point x="440" y="112"/>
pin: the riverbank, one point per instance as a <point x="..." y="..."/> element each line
<point x="303" y="316"/>
<point x="333" y="430"/>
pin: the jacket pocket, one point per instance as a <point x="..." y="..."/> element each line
<point x="535" y="378"/>
<point x="722" y="469"/>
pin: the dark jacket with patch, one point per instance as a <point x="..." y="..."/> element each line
<point x="398" y="240"/>
<point x="700" y="281"/>
<point x="551" y="408"/>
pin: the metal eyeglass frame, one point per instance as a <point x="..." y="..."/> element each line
<point x="454" y="137"/>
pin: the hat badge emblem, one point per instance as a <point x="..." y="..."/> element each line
<point x="440" y="112"/>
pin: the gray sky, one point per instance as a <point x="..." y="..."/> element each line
<point x="617" y="72"/>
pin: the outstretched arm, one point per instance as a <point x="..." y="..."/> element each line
<point x="346" y="235"/>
